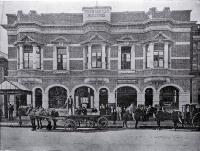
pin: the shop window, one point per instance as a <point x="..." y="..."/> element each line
<point x="61" y="59"/>
<point x="38" y="59"/>
<point x="96" y="56"/>
<point x="126" y="58"/>
<point x="28" y="57"/>
<point x="158" y="55"/>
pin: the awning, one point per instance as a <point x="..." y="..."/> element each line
<point x="11" y="87"/>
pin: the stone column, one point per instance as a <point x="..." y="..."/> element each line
<point x="119" y="57"/>
<point x="34" y="56"/>
<point x="109" y="57"/>
<point x="89" y="56"/>
<point x="29" y="99"/>
<point x="144" y="57"/>
<point x="156" y="99"/>
<point x="54" y="58"/>
<point x="103" y="58"/>
<point x="111" y="97"/>
<point x="96" y="100"/>
<point x="184" y="98"/>
<point x="140" y="98"/>
<point x="166" y="55"/>
<point x="45" y="100"/>
<point x="151" y="49"/>
<point x="67" y="54"/>
<point x="42" y="58"/>
<point x="21" y="56"/>
<point x="84" y="58"/>
<point x="133" y="57"/>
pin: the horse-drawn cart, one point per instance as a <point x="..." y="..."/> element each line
<point x="72" y="122"/>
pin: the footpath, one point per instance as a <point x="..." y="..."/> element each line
<point x="151" y="124"/>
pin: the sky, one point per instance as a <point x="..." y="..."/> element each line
<point x="69" y="6"/>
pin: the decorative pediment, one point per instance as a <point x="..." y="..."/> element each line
<point x="158" y="38"/>
<point x="60" y="40"/>
<point x="97" y="37"/>
<point x="25" y="39"/>
<point x="161" y="36"/>
<point x="128" y="39"/>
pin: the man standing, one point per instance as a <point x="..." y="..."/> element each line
<point x="70" y="104"/>
<point x="119" y="113"/>
<point x="11" y="109"/>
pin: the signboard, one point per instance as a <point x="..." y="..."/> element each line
<point x="96" y="13"/>
<point x="127" y="81"/>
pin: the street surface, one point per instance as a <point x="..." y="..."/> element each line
<point x="100" y="140"/>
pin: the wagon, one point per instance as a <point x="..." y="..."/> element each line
<point x="72" y="122"/>
<point x="191" y="114"/>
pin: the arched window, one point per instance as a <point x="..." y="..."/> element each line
<point x="169" y="97"/>
<point x="84" y="97"/>
<point x="57" y="97"/>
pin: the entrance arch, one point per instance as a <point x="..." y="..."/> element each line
<point x="84" y="97"/>
<point x="38" y="97"/>
<point x="149" y="97"/>
<point x="126" y="96"/>
<point x="169" y="97"/>
<point x="103" y="97"/>
<point x="57" y="97"/>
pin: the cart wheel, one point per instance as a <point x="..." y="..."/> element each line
<point x="90" y="123"/>
<point x="196" y="120"/>
<point x="102" y="122"/>
<point x="70" y="125"/>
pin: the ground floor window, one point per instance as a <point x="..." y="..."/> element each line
<point x="169" y="97"/>
<point x="84" y="97"/>
<point x="57" y="97"/>
<point x="126" y="96"/>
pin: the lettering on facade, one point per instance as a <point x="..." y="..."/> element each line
<point x="96" y="80"/>
<point x="96" y="13"/>
<point x="30" y="80"/>
<point x="127" y="81"/>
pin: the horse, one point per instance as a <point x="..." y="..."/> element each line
<point x="175" y="116"/>
<point x="40" y="115"/>
<point x="31" y="113"/>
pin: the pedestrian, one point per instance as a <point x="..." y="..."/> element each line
<point x="70" y="104"/>
<point x="119" y="113"/>
<point x="114" y="116"/>
<point x="10" y="109"/>
<point x="125" y="119"/>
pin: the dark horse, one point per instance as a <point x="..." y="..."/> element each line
<point x="37" y="115"/>
<point x="175" y="116"/>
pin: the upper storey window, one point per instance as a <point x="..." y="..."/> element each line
<point x="158" y="55"/>
<point x="28" y="57"/>
<point x="61" y="59"/>
<point x="96" y="56"/>
<point x="126" y="57"/>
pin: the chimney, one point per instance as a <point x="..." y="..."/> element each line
<point x="152" y="12"/>
<point x="19" y="14"/>
<point x="166" y="11"/>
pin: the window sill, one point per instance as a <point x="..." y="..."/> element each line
<point x="126" y="71"/>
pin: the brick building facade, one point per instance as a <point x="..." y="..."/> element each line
<point x="195" y="64"/>
<point x="101" y="57"/>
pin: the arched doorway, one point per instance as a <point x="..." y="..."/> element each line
<point x="57" y="97"/>
<point x="84" y="97"/>
<point x="169" y="97"/>
<point x="149" y="97"/>
<point x="103" y="97"/>
<point x="126" y="96"/>
<point x="38" y="97"/>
